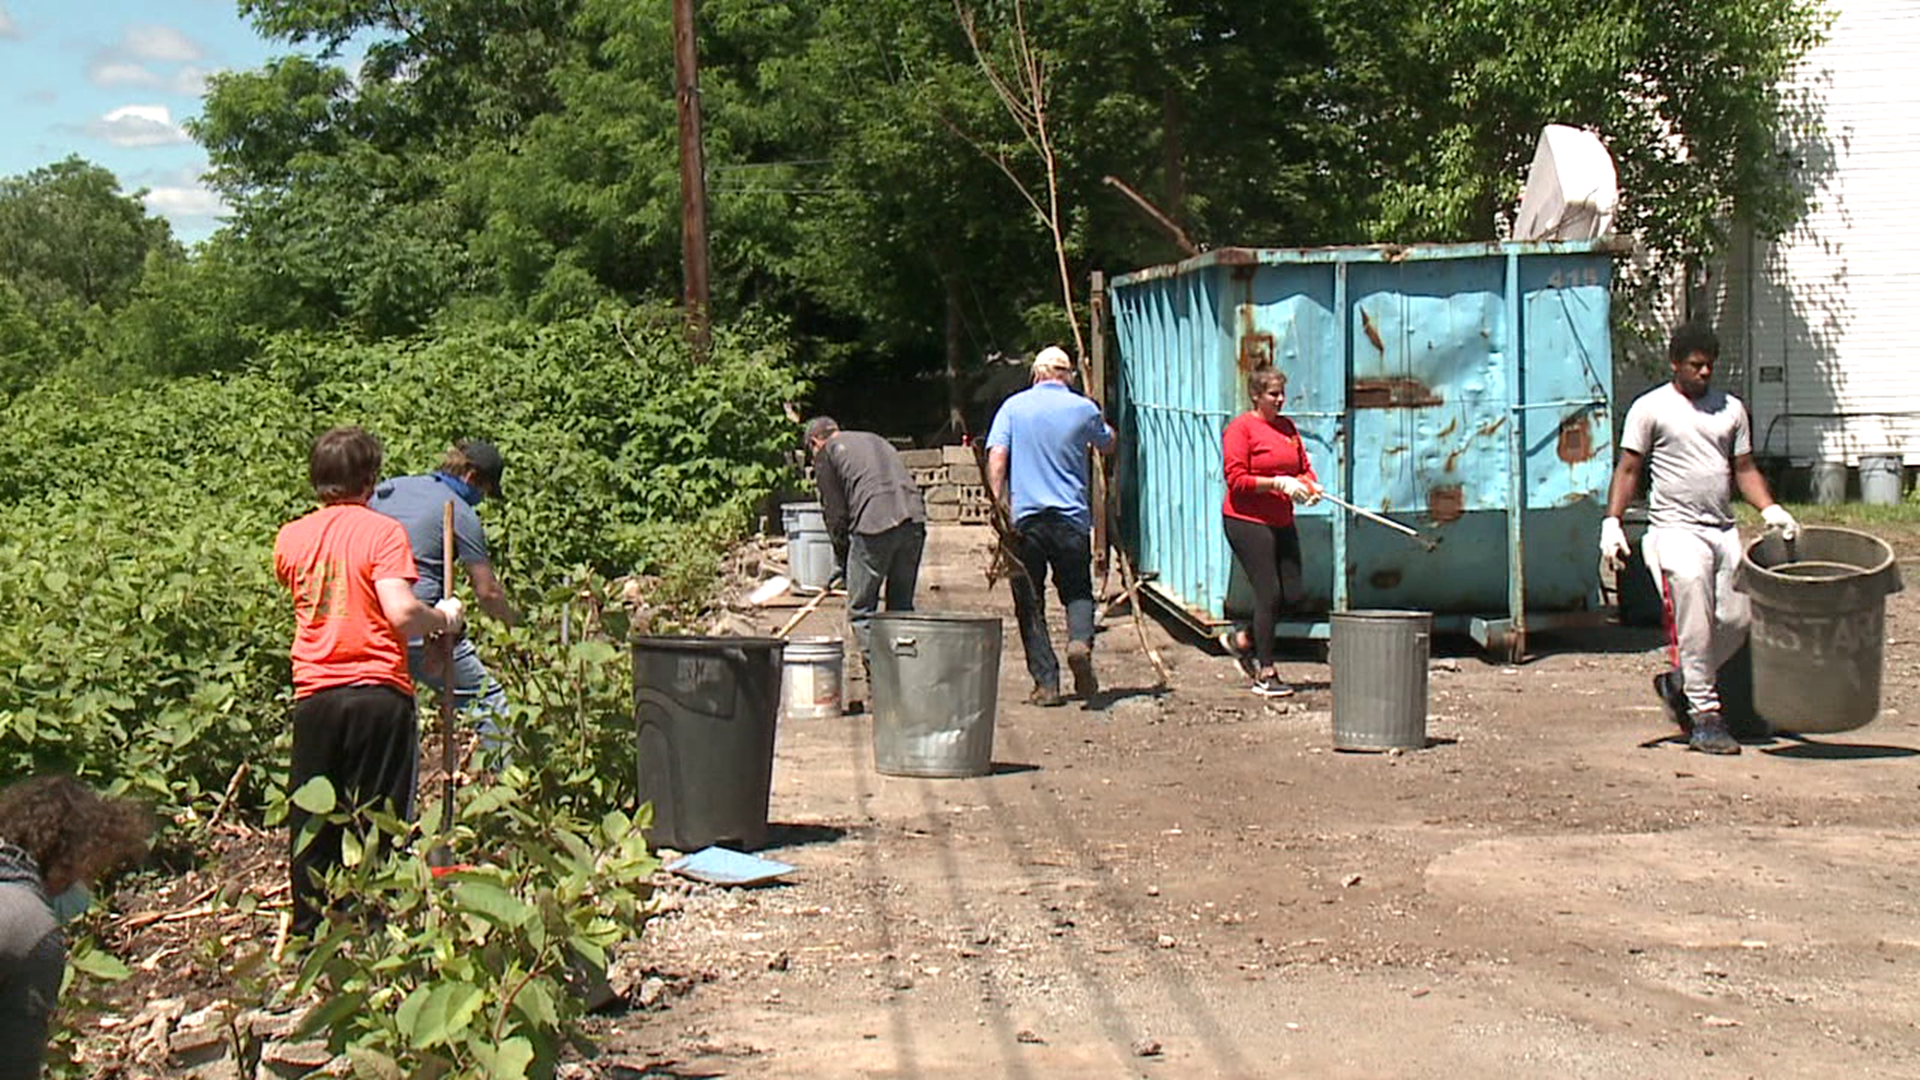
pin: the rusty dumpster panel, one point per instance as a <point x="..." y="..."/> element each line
<point x="1444" y="385"/>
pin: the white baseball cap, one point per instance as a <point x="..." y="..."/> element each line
<point x="1051" y="359"/>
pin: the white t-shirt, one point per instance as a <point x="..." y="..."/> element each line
<point x="1691" y="444"/>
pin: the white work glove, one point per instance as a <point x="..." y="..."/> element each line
<point x="455" y="613"/>
<point x="1776" y="517"/>
<point x="1613" y="543"/>
<point x="1296" y="489"/>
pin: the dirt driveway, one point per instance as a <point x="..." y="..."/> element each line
<point x="1195" y="885"/>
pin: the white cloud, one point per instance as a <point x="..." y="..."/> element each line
<point x="185" y="202"/>
<point x="161" y="43"/>
<point x="178" y="195"/>
<point x="150" y="58"/>
<point x="138" y="125"/>
<point x="188" y="80"/>
<point x="9" y="30"/>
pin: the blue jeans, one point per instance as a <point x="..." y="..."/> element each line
<point x="1049" y="541"/>
<point x="892" y="559"/>
<point x="475" y="689"/>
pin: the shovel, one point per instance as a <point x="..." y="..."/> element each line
<point x="1427" y="542"/>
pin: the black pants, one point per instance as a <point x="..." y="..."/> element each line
<point x="1270" y="557"/>
<point x="1050" y="540"/>
<point x="366" y="741"/>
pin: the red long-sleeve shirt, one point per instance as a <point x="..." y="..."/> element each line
<point x="1253" y="449"/>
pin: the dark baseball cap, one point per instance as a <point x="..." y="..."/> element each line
<point x="487" y="463"/>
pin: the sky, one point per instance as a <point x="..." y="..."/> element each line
<point x="113" y="81"/>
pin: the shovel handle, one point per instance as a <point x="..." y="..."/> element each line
<point x="441" y="855"/>
<point x="1370" y="515"/>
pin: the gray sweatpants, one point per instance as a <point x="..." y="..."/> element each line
<point x="1710" y="619"/>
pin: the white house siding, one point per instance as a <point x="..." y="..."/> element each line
<point x="1822" y="330"/>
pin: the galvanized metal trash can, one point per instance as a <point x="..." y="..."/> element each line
<point x="705" y="709"/>
<point x="1819" y="626"/>
<point x="1827" y="483"/>
<point x="1379" y="661"/>
<point x="809" y="560"/>
<point x="798" y="517"/>
<point x="812" y="678"/>
<point x="1881" y="477"/>
<point x="936" y="682"/>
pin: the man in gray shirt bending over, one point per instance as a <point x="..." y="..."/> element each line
<point x="875" y="517"/>
<point x="1701" y="443"/>
<point x="470" y="473"/>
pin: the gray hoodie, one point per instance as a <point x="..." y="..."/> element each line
<point x="33" y="961"/>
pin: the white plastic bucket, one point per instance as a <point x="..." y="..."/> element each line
<point x="812" y="678"/>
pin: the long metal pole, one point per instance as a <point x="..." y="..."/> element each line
<point x="693" y="177"/>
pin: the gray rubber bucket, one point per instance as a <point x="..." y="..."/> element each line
<point x="812" y="677"/>
<point x="1881" y="477"/>
<point x="802" y="517"/>
<point x="935" y="689"/>
<point x="1819" y="626"/>
<point x="705" y="710"/>
<point x="809" y="560"/>
<point x="1379" y="661"/>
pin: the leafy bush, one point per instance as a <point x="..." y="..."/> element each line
<point x="142" y="636"/>
<point x="484" y="973"/>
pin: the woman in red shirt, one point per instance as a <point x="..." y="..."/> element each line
<point x="1267" y="472"/>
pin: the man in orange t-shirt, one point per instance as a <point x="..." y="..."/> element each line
<point x="351" y="573"/>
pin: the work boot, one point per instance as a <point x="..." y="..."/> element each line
<point x="1669" y="686"/>
<point x="1046" y="697"/>
<point x="1080" y="662"/>
<point x="1710" y="735"/>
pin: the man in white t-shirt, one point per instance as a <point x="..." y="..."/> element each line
<point x="1701" y="444"/>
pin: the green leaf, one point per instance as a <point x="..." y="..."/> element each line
<point x="407" y="1016"/>
<point x="315" y="796"/>
<point x="369" y="1064"/>
<point x="535" y="1002"/>
<point x="100" y="964"/>
<point x="445" y="1014"/>
<point x="508" y="1061"/>
<point x="352" y="848"/>
<point x="492" y="902"/>
<point x="330" y="1013"/>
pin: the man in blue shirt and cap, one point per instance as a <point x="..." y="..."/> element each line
<point x="1037" y="464"/>
<point x="470" y="472"/>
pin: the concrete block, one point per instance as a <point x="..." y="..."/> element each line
<point x="958" y="455"/>
<point x="922" y="459"/>
<point x="943" y="513"/>
<point x="928" y="477"/>
<point x="969" y="473"/>
<point x="943" y="493"/>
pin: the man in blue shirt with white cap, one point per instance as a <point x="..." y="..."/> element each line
<point x="1037" y="464"/>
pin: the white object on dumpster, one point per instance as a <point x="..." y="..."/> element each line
<point x="1572" y="188"/>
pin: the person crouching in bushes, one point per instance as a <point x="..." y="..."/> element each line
<point x="56" y="835"/>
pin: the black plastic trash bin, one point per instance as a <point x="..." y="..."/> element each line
<point x="1819" y="617"/>
<point x="705" y="709"/>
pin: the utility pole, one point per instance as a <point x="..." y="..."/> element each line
<point x="693" y="178"/>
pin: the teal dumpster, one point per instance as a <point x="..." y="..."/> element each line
<point x="1463" y="389"/>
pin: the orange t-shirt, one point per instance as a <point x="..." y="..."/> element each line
<point x="329" y="560"/>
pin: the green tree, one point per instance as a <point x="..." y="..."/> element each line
<point x="69" y="236"/>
